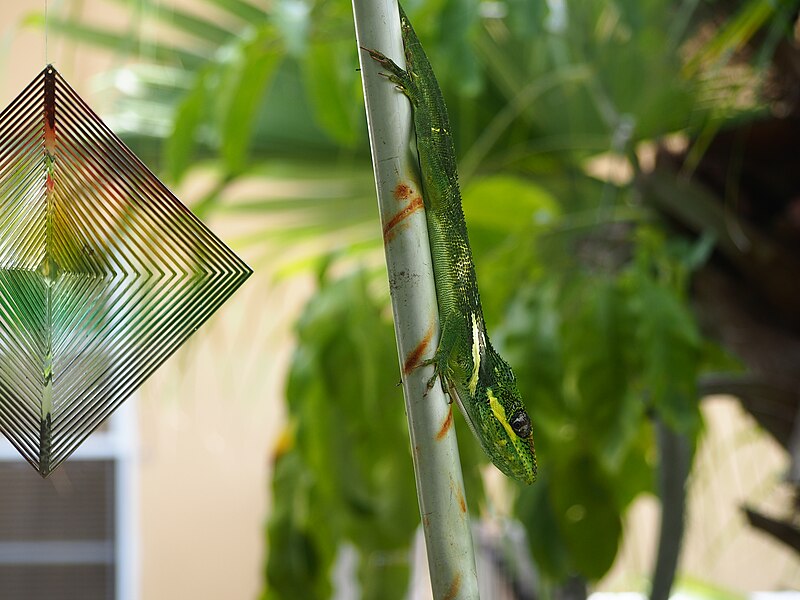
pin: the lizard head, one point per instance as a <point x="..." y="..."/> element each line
<point x="504" y="425"/>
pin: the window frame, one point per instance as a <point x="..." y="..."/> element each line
<point x="117" y="443"/>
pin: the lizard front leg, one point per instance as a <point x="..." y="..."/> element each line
<point x="402" y="79"/>
<point x="444" y="359"/>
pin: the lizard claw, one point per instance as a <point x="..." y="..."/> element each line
<point x="441" y="370"/>
<point x="430" y="384"/>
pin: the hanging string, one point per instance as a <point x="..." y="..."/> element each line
<point x="46" y="51"/>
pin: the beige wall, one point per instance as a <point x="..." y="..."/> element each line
<point x="207" y="422"/>
<point x="208" y="418"/>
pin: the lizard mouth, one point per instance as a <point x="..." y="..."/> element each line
<point x="520" y="463"/>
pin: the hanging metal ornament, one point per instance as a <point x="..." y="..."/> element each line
<point x="103" y="272"/>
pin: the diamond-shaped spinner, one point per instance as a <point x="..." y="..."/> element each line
<point x="103" y="272"/>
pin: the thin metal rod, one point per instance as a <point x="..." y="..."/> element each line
<point x="440" y="487"/>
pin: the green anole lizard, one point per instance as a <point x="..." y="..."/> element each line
<point x="472" y="372"/>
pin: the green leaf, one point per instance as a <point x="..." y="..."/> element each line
<point x="535" y="511"/>
<point x="587" y="515"/>
<point x="243" y="10"/>
<point x="737" y="32"/>
<point x="189" y="117"/>
<point x="634" y="474"/>
<point x="669" y="340"/>
<point x="198" y="27"/>
<point x="335" y="91"/>
<point x="504" y="214"/>
<point x="202" y="29"/>
<point x="595" y="339"/>
<point x="459" y="63"/>
<point x="119" y="42"/>
<point x="247" y="77"/>
<point x="504" y="202"/>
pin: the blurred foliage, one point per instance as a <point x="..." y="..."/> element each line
<point x="584" y="292"/>
<point x="340" y="478"/>
<point x="598" y="355"/>
<point x="343" y="470"/>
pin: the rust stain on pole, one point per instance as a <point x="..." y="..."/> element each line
<point x="452" y="591"/>
<point x="413" y="359"/>
<point x="448" y="423"/>
<point x="389" y="230"/>
<point x="456" y="490"/>
<point x="402" y="191"/>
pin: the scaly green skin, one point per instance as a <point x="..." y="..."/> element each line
<point x="474" y="373"/>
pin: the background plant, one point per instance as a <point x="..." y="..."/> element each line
<point x="585" y="286"/>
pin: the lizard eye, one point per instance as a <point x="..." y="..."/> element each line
<point x="521" y="423"/>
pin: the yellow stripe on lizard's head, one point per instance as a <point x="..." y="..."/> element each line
<point x="510" y="451"/>
<point x="500" y="414"/>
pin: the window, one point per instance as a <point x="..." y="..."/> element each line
<point x="71" y="536"/>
